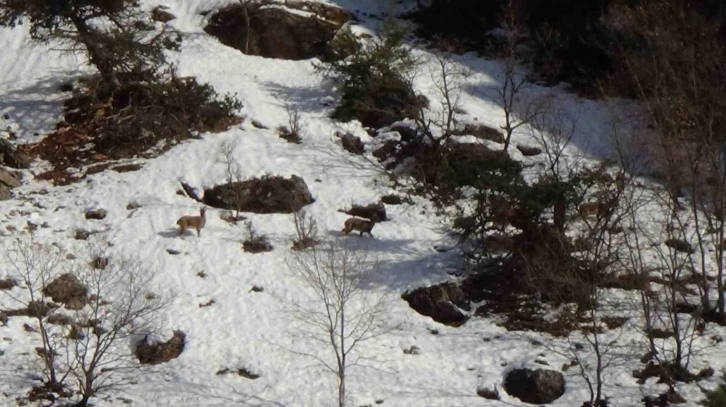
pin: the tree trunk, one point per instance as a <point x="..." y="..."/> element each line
<point x="96" y="56"/>
<point x="83" y="402"/>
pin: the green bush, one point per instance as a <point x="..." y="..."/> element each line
<point x="132" y="117"/>
<point x="717" y="397"/>
<point x="373" y="81"/>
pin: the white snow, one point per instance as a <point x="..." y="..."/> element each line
<point x="250" y="329"/>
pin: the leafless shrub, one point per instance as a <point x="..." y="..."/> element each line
<point x="292" y="133"/>
<point x="254" y="242"/>
<point x="306" y="228"/>
<point x="233" y="175"/>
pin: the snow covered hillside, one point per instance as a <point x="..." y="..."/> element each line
<point x="210" y="279"/>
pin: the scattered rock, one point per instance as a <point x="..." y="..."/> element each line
<point x="81" y="234"/>
<point x="132" y="205"/>
<point x="67" y="289"/>
<point x="99" y="263"/>
<point x="244" y="372"/>
<point x="464" y="222"/>
<point x="413" y="350"/>
<point x="488" y="393"/>
<point x="160" y="14"/>
<point x="535" y="386"/>
<point x="96" y="214"/>
<point x="66" y="87"/>
<point x="440" y="302"/>
<point x="269" y="194"/>
<point x="391" y="199"/>
<point x="376" y="212"/>
<point x="59" y="319"/>
<point x="529" y="151"/>
<point x="28" y="328"/>
<point x="276" y="32"/>
<point x="258" y="125"/>
<point x="12" y="158"/>
<point x="190" y="192"/>
<point x="352" y="144"/>
<point x="11" y="179"/>
<point x="160" y="352"/>
<point x="34" y="309"/>
<point x="173" y="252"/>
<point x="8" y="181"/>
<point x="386" y="150"/>
<point x="680" y="246"/>
<point x="407" y="133"/>
<point x="257" y="289"/>
<point x="207" y="304"/>
<point x="7" y="283"/>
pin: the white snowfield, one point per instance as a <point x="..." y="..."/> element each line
<point x="252" y="330"/>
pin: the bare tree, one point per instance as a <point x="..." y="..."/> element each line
<point x="35" y="265"/>
<point x="437" y="127"/>
<point x="121" y="307"/>
<point x="339" y="314"/>
<point x="93" y="347"/>
<point x="554" y="134"/>
<point x="679" y="80"/>
<point x="511" y="94"/>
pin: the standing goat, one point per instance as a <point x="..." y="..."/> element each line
<point x="361" y="225"/>
<point x="195" y="222"/>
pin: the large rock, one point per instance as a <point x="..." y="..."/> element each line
<point x="279" y="31"/>
<point x="269" y="194"/>
<point x="352" y="143"/>
<point x="8" y="181"/>
<point x="440" y="302"/>
<point x="535" y="386"/>
<point x="160" y="352"/>
<point x="160" y="13"/>
<point x="10" y="157"/>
